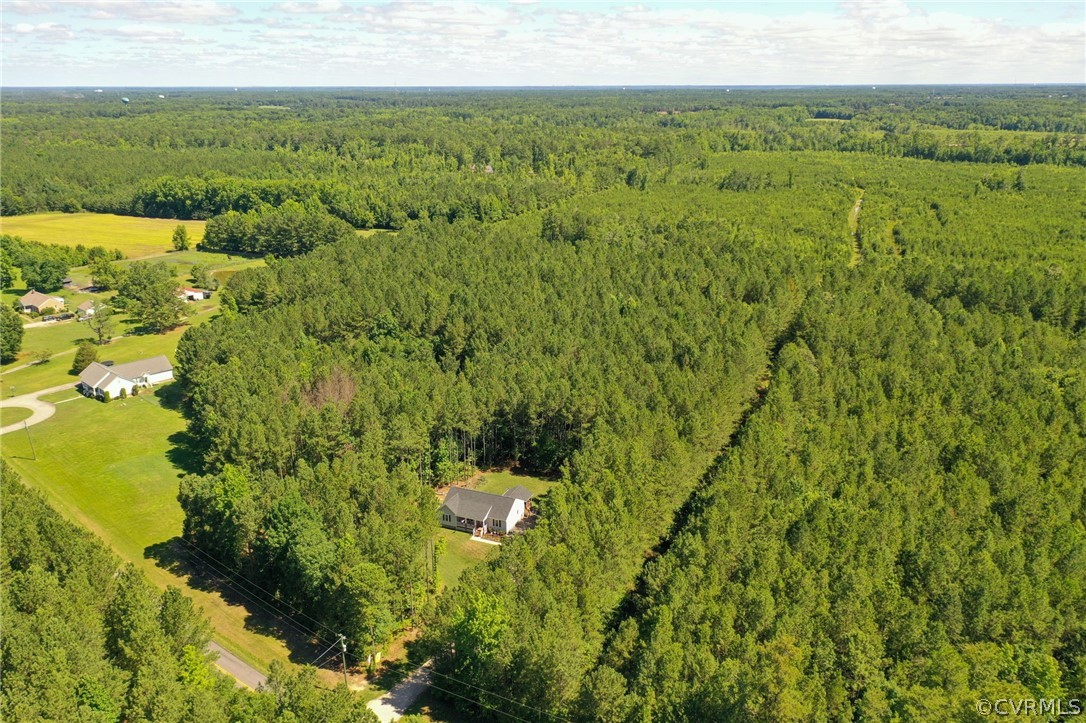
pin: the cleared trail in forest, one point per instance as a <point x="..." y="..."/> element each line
<point x="630" y="605"/>
<point x="854" y="229"/>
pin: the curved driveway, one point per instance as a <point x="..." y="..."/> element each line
<point x="40" y="410"/>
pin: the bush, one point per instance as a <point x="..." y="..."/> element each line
<point x="135" y="391"/>
<point x="106" y="397"/>
<point x="123" y="394"/>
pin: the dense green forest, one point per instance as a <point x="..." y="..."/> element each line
<point x="381" y="159"/>
<point x="807" y="366"/>
<point x="87" y="639"/>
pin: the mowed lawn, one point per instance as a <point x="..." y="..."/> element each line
<point x="460" y="553"/>
<point x="113" y="469"/>
<point x="133" y="235"/>
<point x="497" y="482"/>
<point x="11" y="415"/>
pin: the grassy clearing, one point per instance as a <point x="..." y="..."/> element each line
<point x="181" y="262"/>
<point x="11" y="415"/>
<point x="497" y="482"/>
<point x="134" y="236"/>
<point x="120" y="482"/>
<point x="460" y="553"/>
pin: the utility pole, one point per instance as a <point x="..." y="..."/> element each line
<point x="32" y="450"/>
<point x="343" y="653"/>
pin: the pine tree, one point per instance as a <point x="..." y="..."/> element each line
<point x="85" y="355"/>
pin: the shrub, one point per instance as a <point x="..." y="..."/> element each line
<point x="123" y="394"/>
<point x="106" y="396"/>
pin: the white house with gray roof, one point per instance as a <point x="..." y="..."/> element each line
<point x="98" y="379"/>
<point x="472" y="510"/>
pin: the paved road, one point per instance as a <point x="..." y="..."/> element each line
<point x="42" y="410"/>
<point x="391" y="705"/>
<point x="234" y="666"/>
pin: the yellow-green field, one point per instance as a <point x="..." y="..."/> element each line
<point x="11" y="415"/>
<point x="134" y="236"/>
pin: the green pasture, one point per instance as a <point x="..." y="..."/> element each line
<point x="133" y="235"/>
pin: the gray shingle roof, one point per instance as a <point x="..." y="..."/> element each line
<point x="478" y="505"/>
<point x="98" y="375"/>
<point x="152" y="365"/>
<point x="520" y="492"/>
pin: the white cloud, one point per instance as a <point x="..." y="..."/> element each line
<point x="24" y="7"/>
<point x="51" y="32"/>
<point x="321" y="6"/>
<point x="550" y="43"/>
<point x="165" y="11"/>
<point x="143" y="32"/>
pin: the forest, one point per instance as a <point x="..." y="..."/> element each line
<point x="806" y="365"/>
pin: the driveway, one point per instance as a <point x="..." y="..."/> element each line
<point x="391" y="705"/>
<point x="41" y="410"/>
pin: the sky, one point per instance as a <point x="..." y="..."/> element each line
<point x="166" y="43"/>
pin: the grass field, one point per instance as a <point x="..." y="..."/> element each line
<point x="11" y="415"/>
<point x="222" y="266"/>
<point x="497" y="482"/>
<point x="134" y="236"/>
<point x="460" y="552"/>
<point x="121" y="484"/>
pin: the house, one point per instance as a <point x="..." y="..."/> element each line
<point x="86" y="310"/>
<point x="520" y="492"/>
<point x="477" y="511"/>
<point x="190" y="294"/>
<point x="37" y="302"/>
<point x="99" y="379"/>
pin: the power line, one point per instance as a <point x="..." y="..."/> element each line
<point x="497" y="695"/>
<point x="479" y="703"/>
<point x="227" y="577"/>
<point x="325" y="652"/>
<point x="233" y="581"/>
<point x="237" y="575"/>
<point x="262" y="589"/>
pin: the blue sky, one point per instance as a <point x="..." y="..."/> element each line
<point x="168" y="43"/>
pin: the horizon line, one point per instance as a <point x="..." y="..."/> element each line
<point x="609" y="86"/>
